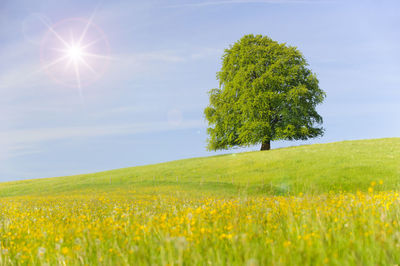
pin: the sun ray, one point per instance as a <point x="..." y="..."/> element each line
<point x="83" y="47"/>
<point x="64" y="50"/>
<point x="55" y="33"/>
<point x="56" y="61"/>
<point x="88" y="66"/>
<point x="78" y="80"/>
<point x="68" y="65"/>
<point x="71" y="36"/>
<point x="92" y="43"/>
<point x="86" y="28"/>
<point x="78" y="75"/>
<point x="97" y="56"/>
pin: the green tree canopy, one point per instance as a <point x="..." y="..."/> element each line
<point x="266" y="92"/>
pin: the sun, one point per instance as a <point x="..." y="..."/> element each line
<point x="75" y="52"/>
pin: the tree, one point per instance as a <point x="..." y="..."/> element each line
<point x="266" y="92"/>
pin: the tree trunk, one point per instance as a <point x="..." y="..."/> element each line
<point x="266" y="145"/>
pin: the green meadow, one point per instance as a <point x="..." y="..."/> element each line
<point x="340" y="166"/>
<point x="335" y="204"/>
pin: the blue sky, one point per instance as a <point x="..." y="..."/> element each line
<point x="148" y="106"/>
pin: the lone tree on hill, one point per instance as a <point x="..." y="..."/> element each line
<point x="266" y="92"/>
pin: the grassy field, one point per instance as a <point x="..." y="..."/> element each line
<point x="340" y="166"/>
<point x="334" y="204"/>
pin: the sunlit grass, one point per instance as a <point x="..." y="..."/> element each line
<point x="336" y="204"/>
<point x="342" y="166"/>
<point x="339" y="228"/>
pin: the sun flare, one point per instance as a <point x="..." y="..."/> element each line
<point x="74" y="52"/>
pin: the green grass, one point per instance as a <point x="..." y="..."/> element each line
<point x="341" y="166"/>
<point x="335" y="204"/>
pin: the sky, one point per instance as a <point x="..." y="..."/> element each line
<point x="161" y="59"/>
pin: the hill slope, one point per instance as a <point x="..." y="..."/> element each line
<point x="348" y="165"/>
